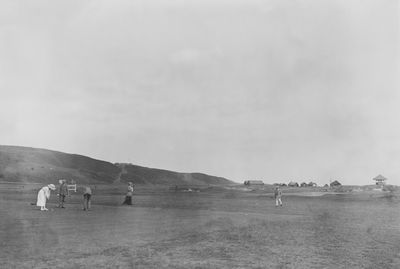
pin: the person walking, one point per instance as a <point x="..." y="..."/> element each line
<point x="44" y="195"/>
<point x="87" y="196"/>
<point x="62" y="192"/>
<point x="278" y="196"/>
<point x="128" y="197"/>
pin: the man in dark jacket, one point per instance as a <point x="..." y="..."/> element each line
<point x="87" y="196"/>
<point x="62" y="192"/>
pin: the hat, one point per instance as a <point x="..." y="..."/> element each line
<point x="52" y="187"/>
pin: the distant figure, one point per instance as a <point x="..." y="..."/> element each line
<point x="278" y="196"/>
<point x="87" y="196"/>
<point x="128" y="197"/>
<point x="62" y="192"/>
<point x="44" y="195"/>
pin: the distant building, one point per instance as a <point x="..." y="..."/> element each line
<point x="335" y="184"/>
<point x="293" y="184"/>
<point x="380" y="180"/>
<point x="253" y="182"/>
<point x="303" y="184"/>
<point x="280" y="184"/>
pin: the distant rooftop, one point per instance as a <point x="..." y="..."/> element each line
<point x="379" y="178"/>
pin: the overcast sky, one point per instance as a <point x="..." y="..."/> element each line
<point x="250" y="89"/>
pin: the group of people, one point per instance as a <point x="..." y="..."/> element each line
<point x="44" y="195"/>
<point x="63" y="191"/>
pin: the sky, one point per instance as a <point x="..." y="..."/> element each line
<point x="304" y="90"/>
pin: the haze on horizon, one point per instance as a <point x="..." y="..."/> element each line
<point x="246" y="89"/>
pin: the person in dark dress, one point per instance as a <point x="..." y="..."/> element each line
<point x="128" y="197"/>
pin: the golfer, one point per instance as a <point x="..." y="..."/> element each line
<point x="87" y="196"/>
<point x="278" y="196"/>
<point x="44" y="195"/>
<point x="62" y="192"/>
<point x="128" y="197"/>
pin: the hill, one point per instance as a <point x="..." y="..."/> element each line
<point x="24" y="164"/>
<point x="139" y="175"/>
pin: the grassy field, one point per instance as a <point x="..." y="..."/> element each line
<point x="207" y="229"/>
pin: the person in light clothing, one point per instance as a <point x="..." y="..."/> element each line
<point x="87" y="196"/>
<point x="44" y="195"/>
<point x="128" y="197"/>
<point x="278" y="196"/>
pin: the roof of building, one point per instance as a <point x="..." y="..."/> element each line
<point x="379" y="178"/>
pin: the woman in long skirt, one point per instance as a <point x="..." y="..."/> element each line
<point x="44" y="195"/>
<point x="128" y="197"/>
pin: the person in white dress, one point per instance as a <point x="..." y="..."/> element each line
<point x="44" y="195"/>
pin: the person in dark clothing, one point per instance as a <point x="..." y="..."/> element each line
<point x="128" y="197"/>
<point x="87" y="196"/>
<point x="62" y="192"/>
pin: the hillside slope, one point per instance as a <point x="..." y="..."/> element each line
<point x="23" y="164"/>
<point x="139" y="175"/>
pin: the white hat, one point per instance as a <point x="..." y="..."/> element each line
<point x="52" y="187"/>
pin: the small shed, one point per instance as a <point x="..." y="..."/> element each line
<point x="335" y="184"/>
<point x="380" y="180"/>
<point x="312" y="184"/>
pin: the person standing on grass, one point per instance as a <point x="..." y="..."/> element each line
<point x="62" y="192"/>
<point x="128" y="197"/>
<point x="44" y="195"/>
<point x="278" y="196"/>
<point x="87" y="196"/>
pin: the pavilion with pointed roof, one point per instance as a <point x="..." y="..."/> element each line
<point x="380" y="180"/>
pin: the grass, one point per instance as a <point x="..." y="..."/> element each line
<point x="209" y="229"/>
